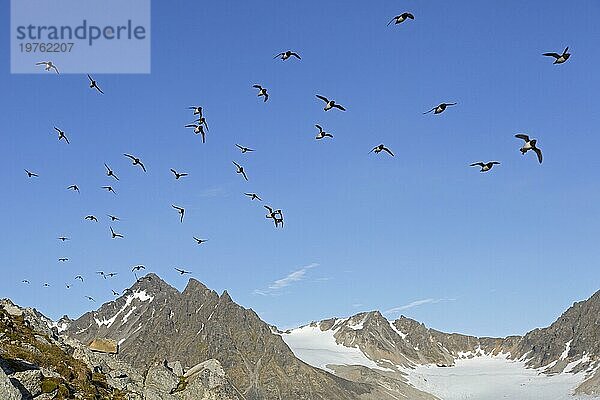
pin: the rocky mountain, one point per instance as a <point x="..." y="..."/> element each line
<point x="152" y="322"/>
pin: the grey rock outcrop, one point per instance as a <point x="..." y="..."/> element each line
<point x="7" y="390"/>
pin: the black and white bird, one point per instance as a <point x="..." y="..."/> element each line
<point x="109" y="189"/>
<point x="198" y="129"/>
<point x="240" y="170"/>
<point x="113" y="218"/>
<point x="63" y="238"/>
<point x="200" y="241"/>
<point x="182" y="271"/>
<point x="63" y="259"/>
<point x="48" y="66"/>
<point x="322" y="134"/>
<point x="178" y="174"/>
<point x="94" y="84"/>
<point x="46" y="284"/>
<point x="284" y="55"/>
<point x="114" y="234"/>
<point x="115" y="293"/>
<point x="110" y="172"/>
<point x="380" y="148"/>
<point x="262" y="92"/>
<point x="74" y="188"/>
<point x="485" y="167"/>
<point x="440" y="108"/>
<point x="243" y="149"/>
<point x="102" y="274"/>
<point x="253" y="196"/>
<point x="61" y="135"/>
<point x="90" y="298"/>
<point x="530" y="144"/>
<point x="91" y="218"/>
<point x="180" y="210"/>
<point x="136" y="161"/>
<point x="79" y="277"/>
<point x="559" y="58"/>
<point x="137" y="268"/>
<point x="31" y="174"/>
<point x="329" y="104"/>
<point x="398" y="19"/>
<point x="25" y="281"/>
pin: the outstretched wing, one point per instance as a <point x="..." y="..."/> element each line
<point x="522" y="136"/>
<point x="555" y="55"/>
<point x="325" y="99"/>
<point x="538" y="152"/>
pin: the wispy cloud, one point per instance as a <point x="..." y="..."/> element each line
<point x="414" y="304"/>
<point x="286" y="281"/>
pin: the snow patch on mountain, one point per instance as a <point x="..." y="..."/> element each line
<point x="139" y="295"/>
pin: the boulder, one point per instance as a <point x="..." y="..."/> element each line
<point x="108" y="346"/>
<point x="7" y="390"/>
<point x="29" y="382"/>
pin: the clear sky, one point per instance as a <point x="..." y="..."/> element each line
<point x="421" y="234"/>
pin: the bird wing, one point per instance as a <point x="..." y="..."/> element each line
<point x="494" y="163"/>
<point x="278" y="55"/>
<point x="66" y="139"/>
<point x="566" y="49"/>
<point x="296" y="55"/>
<point x="555" y="55"/>
<point x="130" y="156"/>
<point x="409" y="15"/>
<point x="430" y="110"/>
<point x="392" y="20"/>
<point x="319" y="127"/>
<point x="257" y="87"/>
<point x="325" y="99"/>
<point x="100" y="90"/>
<point x="339" y="106"/>
<point x="173" y="171"/>
<point x="266" y="97"/>
<point x="236" y="164"/>
<point x="56" y="69"/>
<point x="143" y="167"/>
<point x="90" y="78"/>
<point x="41" y="63"/>
<point x="269" y="209"/>
<point x="522" y="136"/>
<point x="538" y="152"/>
<point x="244" y="175"/>
<point x="481" y="164"/>
<point x="191" y="126"/>
<point x="388" y="151"/>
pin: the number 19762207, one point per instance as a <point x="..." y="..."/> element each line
<point x="36" y="47"/>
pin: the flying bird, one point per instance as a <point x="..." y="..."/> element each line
<point x="177" y="174"/>
<point x="101" y="273"/>
<point x="49" y="65"/>
<point x="110" y="275"/>
<point x="329" y="104"/>
<point x="485" y="167"/>
<point x="440" y="108"/>
<point x="74" y="188"/>
<point x="61" y="135"/>
<point x="198" y="129"/>
<point x="137" y="268"/>
<point x="110" y="189"/>
<point x="559" y="58"/>
<point x="199" y="241"/>
<point x="240" y="170"/>
<point x="25" y="281"/>
<point x="110" y="172"/>
<point x="197" y="110"/>
<point x="243" y="149"/>
<point x="94" y="84"/>
<point x="90" y="298"/>
<point x="79" y="277"/>
<point x="114" y="234"/>
<point x="202" y="121"/>
<point x="322" y="134"/>
<point x="63" y="259"/>
<point x="68" y="286"/>
<point x="180" y="210"/>
<point x="182" y="271"/>
<point x="31" y="174"/>
<point x="530" y="144"/>
<point x="262" y="92"/>
<point x="113" y="218"/>
<point x="253" y="196"/>
<point x="46" y="285"/>
<point x="91" y="218"/>
<point x="136" y="161"/>
<point x="63" y="238"/>
<point x="398" y="19"/>
<point x="115" y="293"/>
<point x="380" y="148"/>
<point x="284" y="55"/>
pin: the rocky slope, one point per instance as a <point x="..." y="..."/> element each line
<point x="152" y="321"/>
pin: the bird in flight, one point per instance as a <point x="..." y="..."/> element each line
<point x="329" y="104"/>
<point x="243" y="149"/>
<point x="74" y="188"/>
<point x="240" y="170"/>
<point x="530" y="144"/>
<point x="94" y="84"/>
<point x="91" y="218"/>
<point x="49" y="65"/>
<point x="90" y="298"/>
<point x="198" y="129"/>
<point x="25" y="281"/>
<point x="560" y="58"/>
<point x="177" y="174"/>
<point x="79" y="277"/>
<point x="485" y="167"/>
<point x="180" y="210"/>
<point x="202" y="121"/>
<point x="182" y="271"/>
<point x="380" y="148"/>
<point x="46" y="285"/>
<point x="68" y="286"/>
<point x="262" y="92"/>
<point x="322" y="134"/>
<point x="110" y="189"/>
<point x="197" y="110"/>
<point x="398" y="19"/>
<point x="113" y="218"/>
<point x="63" y="238"/>
<point x="253" y="196"/>
<point x="110" y="172"/>
<point x="114" y="234"/>
<point x="111" y="274"/>
<point x="101" y="273"/>
<point x="136" y="161"/>
<point x="137" y="268"/>
<point x="284" y="55"/>
<point x="61" y="135"/>
<point x="31" y="174"/>
<point x="63" y="259"/>
<point x="199" y="241"/>
<point x="440" y="108"/>
<point x="275" y="215"/>
<point x="115" y="293"/>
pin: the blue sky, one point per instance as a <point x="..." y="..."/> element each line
<point x="420" y="234"/>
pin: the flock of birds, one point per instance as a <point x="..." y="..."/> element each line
<point x="200" y="127"/>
